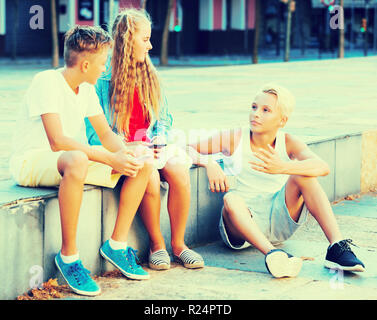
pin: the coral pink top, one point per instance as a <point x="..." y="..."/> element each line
<point x="139" y="124"/>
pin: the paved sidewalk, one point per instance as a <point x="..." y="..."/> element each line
<point x="242" y="275"/>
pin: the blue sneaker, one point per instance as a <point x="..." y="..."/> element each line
<point x="77" y="277"/>
<point x="125" y="260"/>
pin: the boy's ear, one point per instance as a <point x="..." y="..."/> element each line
<point x="85" y="66"/>
<point x="283" y="121"/>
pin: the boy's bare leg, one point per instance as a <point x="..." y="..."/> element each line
<point x="241" y="225"/>
<point x="73" y="166"/>
<point x="150" y="212"/>
<point x="300" y="189"/>
<point x="131" y="194"/>
<point x="178" y="178"/>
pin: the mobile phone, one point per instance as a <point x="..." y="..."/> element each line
<point x="158" y="146"/>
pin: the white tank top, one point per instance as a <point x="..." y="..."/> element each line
<point x="255" y="187"/>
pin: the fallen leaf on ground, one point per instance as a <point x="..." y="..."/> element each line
<point x="49" y="290"/>
<point x="307" y="258"/>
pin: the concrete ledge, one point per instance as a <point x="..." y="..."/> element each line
<point x="30" y="234"/>
<point x="343" y="155"/>
<point x="369" y="161"/>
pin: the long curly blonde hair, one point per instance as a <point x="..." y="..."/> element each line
<point x="128" y="74"/>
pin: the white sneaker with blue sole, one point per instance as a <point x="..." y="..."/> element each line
<point x="281" y="264"/>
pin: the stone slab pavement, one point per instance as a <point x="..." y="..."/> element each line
<point x="241" y="275"/>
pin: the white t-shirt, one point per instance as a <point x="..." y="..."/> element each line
<point x="49" y="92"/>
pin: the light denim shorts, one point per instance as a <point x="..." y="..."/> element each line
<point x="277" y="227"/>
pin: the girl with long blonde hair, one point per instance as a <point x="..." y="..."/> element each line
<point x="131" y="96"/>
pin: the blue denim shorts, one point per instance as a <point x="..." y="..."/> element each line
<point x="278" y="226"/>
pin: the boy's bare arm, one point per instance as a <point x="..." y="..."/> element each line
<point x="110" y="140"/>
<point x="122" y="161"/>
<point x="223" y="141"/>
<point x="307" y="164"/>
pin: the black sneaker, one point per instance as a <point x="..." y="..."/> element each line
<point x="340" y="256"/>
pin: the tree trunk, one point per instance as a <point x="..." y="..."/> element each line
<point x="15" y="29"/>
<point x="165" y="35"/>
<point x="246" y="32"/>
<point x="341" y="31"/>
<point x="301" y="25"/>
<point x="111" y="14"/>
<point x="278" y="28"/>
<point x="55" y="42"/>
<point x="288" y="31"/>
<point x="256" y="30"/>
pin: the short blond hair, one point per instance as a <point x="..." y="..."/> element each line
<point x="285" y="100"/>
<point x="81" y="39"/>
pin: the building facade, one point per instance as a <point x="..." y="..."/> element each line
<point x="197" y="27"/>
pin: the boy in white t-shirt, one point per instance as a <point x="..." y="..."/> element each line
<point x="50" y="149"/>
<point x="274" y="188"/>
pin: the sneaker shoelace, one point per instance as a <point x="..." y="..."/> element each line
<point x="345" y="245"/>
<point x="131" y="257"/>
<point x="80" y="274"/>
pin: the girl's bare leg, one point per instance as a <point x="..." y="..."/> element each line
<point x="131" y="194"/>
<point x="150" y="212"/>
<point x="178" y="177"/>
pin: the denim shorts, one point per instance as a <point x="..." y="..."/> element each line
<point x="278" y="226"/>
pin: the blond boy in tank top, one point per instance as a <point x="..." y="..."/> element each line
<point x="276" y="186"/>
